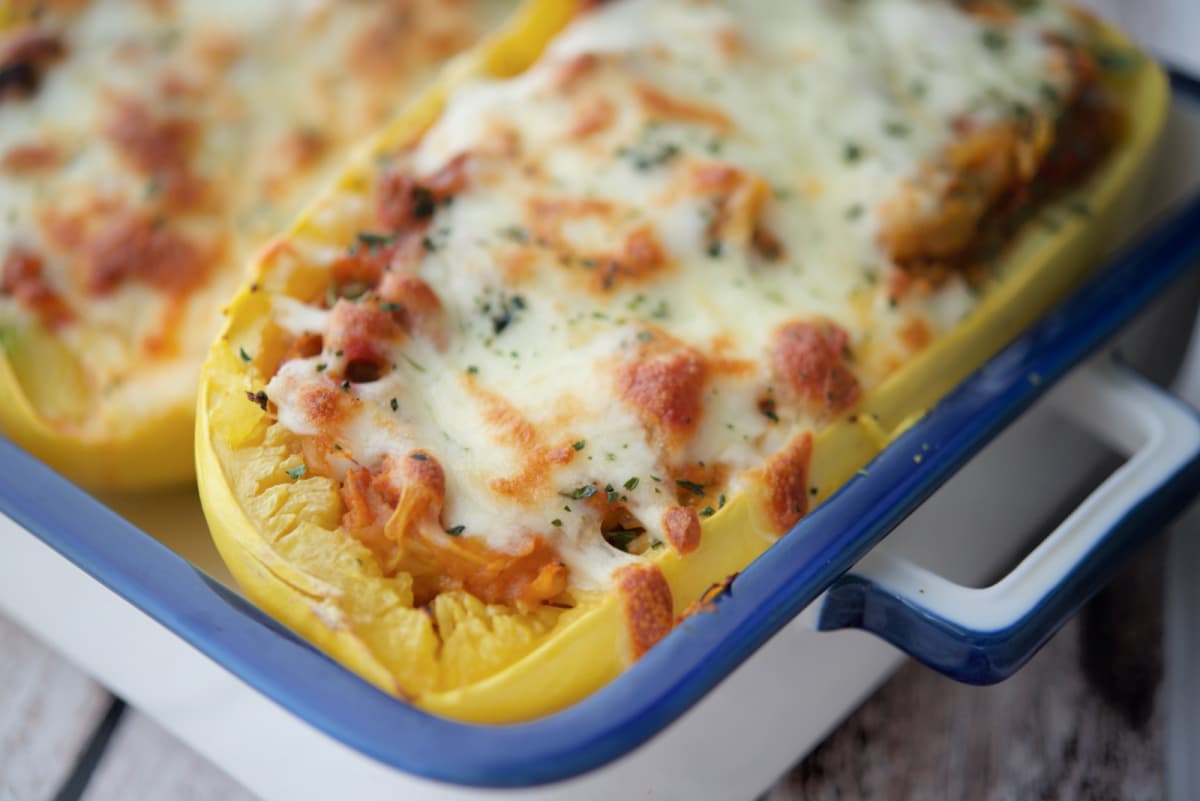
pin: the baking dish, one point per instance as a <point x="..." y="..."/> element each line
<point x="278" y="667"/>
<point x="270" y="517"/>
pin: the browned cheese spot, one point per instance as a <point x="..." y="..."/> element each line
<point x="682" y="527"/>
<point x="785" y="481"/>
<point x="647" y="603"/>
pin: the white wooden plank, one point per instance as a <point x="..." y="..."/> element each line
<point x="145" y="763"/>
<point x="48" y="711"/>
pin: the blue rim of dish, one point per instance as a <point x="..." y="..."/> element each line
<point x="689" y="662"/>
<point x="978" y="656"/>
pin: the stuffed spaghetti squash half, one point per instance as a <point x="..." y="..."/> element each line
<point x="611" y="307"/>
<point x="145" y="148"/>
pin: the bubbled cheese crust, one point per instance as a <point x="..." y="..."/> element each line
<point x="610" y="293"/>
<point x="147" y="147"/>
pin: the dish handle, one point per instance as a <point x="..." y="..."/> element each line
<point x="982" y="636"/>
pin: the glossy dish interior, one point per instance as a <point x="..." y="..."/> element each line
<point x="580" y="650"/>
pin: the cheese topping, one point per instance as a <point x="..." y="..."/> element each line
<point x="609" y="293"/>
<point x="146" y="147"/>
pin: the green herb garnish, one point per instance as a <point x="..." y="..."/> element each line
<point x="580" y="493"/>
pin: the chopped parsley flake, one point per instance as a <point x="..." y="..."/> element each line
<point x="420" y="457"/>
<point x="245" y="356"/>
<point x="556" y="523"/>
<point x="647" y="158"/>
<point x="297" y="472"/>
<point x="851" y="153"/>
<point x="622" y="538"/>
<point x="580" y="493"/>
<point x="994" y="39"/>
<point x="580" y="445"/>
<point x="515" y="233"/>
<point x="707" y="511"/>
<point x="690" y="486"/>
<point x="631" y="484"/>
<point x="454" y="532"/>
<point x="373" y="240"/>
<point x="395" y="405"/>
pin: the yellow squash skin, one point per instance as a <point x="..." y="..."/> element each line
<point x="151" y="452"/>
<point x="279" y="537"/>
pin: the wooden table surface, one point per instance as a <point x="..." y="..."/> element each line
<point x="1079" y="723"/>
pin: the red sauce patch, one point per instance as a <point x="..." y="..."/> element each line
<point x="365" y="512"/>
<point x="415" y="306"/>
<point x="572" y="71"/>
<point x="32" y="157"/>
<point x="304" y="346"/>
<point x="916" y="334"/>
<point x="785" y="482"/>
<point x="647" y="603"/>
<point x="682" y="527"/>
<point x="397" y="513"/>
<point x="22" y="277"/>
<point x="362" y="265"/>
<point x="406" y="203"/>
<point x="135" y="247"/>
<point x="765" y="244"/>
<point x="639" y="255"/>
<point x="162" y="149"/>
<point x="659" y="105"/>
<point x="809" y="360"/>
<point x="361" y="332"/>
<point x="592" y="117"/>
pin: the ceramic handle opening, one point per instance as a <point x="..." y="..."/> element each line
<point x="982" y="636"/>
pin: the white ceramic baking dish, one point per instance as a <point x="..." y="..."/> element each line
<point x="731" y="698"/>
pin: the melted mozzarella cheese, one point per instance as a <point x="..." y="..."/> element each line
<point x="824" y="108"/>
<point x="271" y="93"/>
